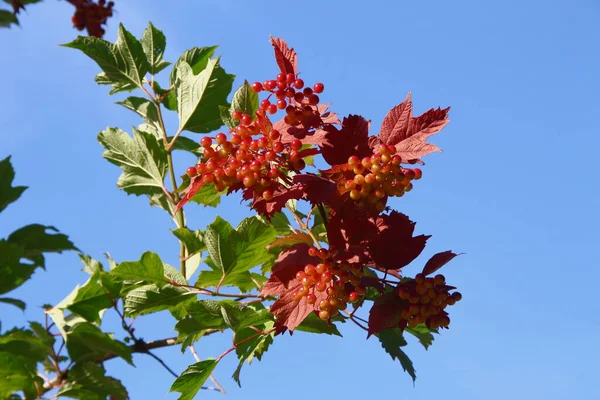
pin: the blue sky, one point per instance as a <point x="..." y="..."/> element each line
<point x="514" y="188"/>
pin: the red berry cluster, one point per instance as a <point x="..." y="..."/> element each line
<point x="91" y="16"/>
<point x="297" y="100"/>
<point x="371" y="180"/>
<point x="427" y="298"/>
<point x="255" y="163"/>
<point x="340" y="280"/>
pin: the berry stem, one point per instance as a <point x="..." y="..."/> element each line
<point x="303" y="227"/>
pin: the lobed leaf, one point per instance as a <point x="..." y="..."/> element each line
<point x="191" y="380"/>
<point x="8" y="193"/>
<point x="153" y="44"/>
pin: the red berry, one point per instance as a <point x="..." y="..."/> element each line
<point x="221" y="138"/>
<point x="265" y="104"/>
<point x="289" y="78"/>
<point x="353" y="297"/>
<point x="281" y="104"/>
<point x="206" y="142"/>
<point x="236" y="115"/>
<point x="318" y="87"/>
<point x="272" y="109"/>
<point x="296" y="144"/>
<point x="257" y="87"/>
<point x="307" y="91"/>
<point x="281" y="77"/>
<point x="191" y="171"/>
<point x="313" y="251"/>
<point x="274" y="134"/>
<point x="280" y="94"/>
<point x="418" y="173"/>
<point x="267" y="195"/>
<point x="313" y="99"/>
<point x="281" y="85"/>
<point x="298" y="83"/>
<point x="353" y="160"/>
<point x="270" y="85"/>
<point x="249" y="181"/>
<point x="299" y="96"/>
<point x="290" y="92"/>
<point x="278" y="147"/>
<point x="311" y="299"/>
<point x="236" y="139"/>
<point x="246" y="119"/>
<point x="270" y="155"/>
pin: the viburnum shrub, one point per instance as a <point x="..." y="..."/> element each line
<point x="324" y="247"/>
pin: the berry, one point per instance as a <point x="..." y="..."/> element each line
<point x="278" y="147"/>
<point x="267" y="195"/>
<point x="236" y="115"/>
<point x="318" y="87"/>
<point x="191" y="171"/>
<point x="221" y="138"/>
<point x="206" y="142"/>
<point x="313" y="251"/>
<point x="313" y="99"/>
<point x="324" y="315"/>
<point x="272" y="109"/>
<point x="246" y="119"/>
<point x="264" y="104"/>
<point x="298" y="83"/>
<point x="281" y="104"/>
<point x="257" y="87"/>
<point x="281" y="77"/>
<point x="296" y="144"/>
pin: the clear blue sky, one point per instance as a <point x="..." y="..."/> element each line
<point x="514" y="188"/>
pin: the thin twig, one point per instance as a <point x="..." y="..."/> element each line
<point x="162" y="363"/>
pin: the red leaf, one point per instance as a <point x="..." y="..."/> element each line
<point x="315" y="188"/>
<point x="394" y="246"/>
<point x="305" y="131"/>
<point x="283" y="283"/>
<point x="189" y="192"/>
<point x="285" y="57"/>
<point x="395" y="123"/>
<point x="438" y="261"/>
<point x="280" y="196"/>
<point x="385" y="312"/>
<point x="351" y="140"/>
<point x="408" y="133"/>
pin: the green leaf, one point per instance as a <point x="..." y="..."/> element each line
<point x="143" y="161"/>
<point x="208" y="196"/>
<point x="191" y="380"/>
<point x="7" y="18"/>
<point x="187" y="144"/>
<point x="245" y="100"/>
<point x="207" y="314"/>
<point x="57" y="313"/>
<point x="150" y="269"/>
<point x="90" y="300"/>
<point x="193" y="240"/>
<point x="18" y="374"/>
<point x="15" y="302"/>
<point x="86" y="342"/>
<point x="252" y="348"/>
<point x="36" y="240"/>
<point x="24" y="343"/>
<point x="8" y="193"/>
<point x="42" y="334"/>
<point x="152" y="298"/>
<point x="314" y="324"/>
<point x="124" y="63"/>
<point x="225" y="114"/>
<point x="423" y="333"/>
<point x="144" y="108"/>
<point x="196" y="57"/>
<point x="235" y="251"/>
<point x="238" y="316"/>
<point x="319" y="229"/>
<point x="88" y="381"/>
<point x="199" y="96"/>
<point x="392" y="341"/>
<point x="154" y="43"/>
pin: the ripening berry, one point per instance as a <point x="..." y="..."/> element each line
<point x="359" y="180"/>
<point x="313" y="251"/>
<point x="418" y="173"/>
<point x="457" y="296"/>
<point x="311" y="299"/>
<point x="249" y="181"/>
<point x="419" y="278"/>
<point x="206" y="142"/>
<point x="257" y="87"/>
<point x="439" y="279"/>
<point x="355" y="194"/>
<point x="324" y="315"/>
<point x="236" y="115"/>
<point x="322" y="254"/>
<point x="353" y="160"/>
<point x="267" y="195"/>
<point x="324" y="304"/>
<point x="191" y="171"/>
<point x="278" y="147"/>
<point x="353" y="297"/>
<point x="318" y="87"/>
<point x="221" y="138"/>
